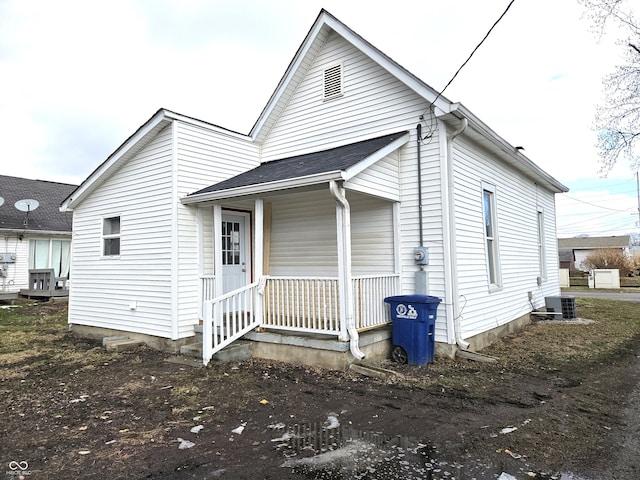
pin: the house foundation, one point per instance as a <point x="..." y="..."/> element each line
<point x="484" y="339"/>
<point x="319" y="350"/>
<point x="307" y="349"/>
<point x="158" y="343"/>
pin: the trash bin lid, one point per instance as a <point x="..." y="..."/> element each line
<point x="413" y="298"/>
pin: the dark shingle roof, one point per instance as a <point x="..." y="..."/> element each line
<point x="587" y="243"/>
<point x="334" y="159"/>
<point x="46" y="217"/>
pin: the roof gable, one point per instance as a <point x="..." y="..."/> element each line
<point x="339" y="163"/>
<point x="324" y="25"/>
<point x="319" y="34"/>
<point x="129" y="148"/>
<point x="46" y="217"/>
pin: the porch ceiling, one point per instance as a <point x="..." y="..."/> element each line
<point x="340" y="163"/>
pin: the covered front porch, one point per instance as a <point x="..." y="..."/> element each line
<point x="309" y="308"/>
<point x="306" y="245"/>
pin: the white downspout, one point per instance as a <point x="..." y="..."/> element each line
<point x="345" y="233"/>
<point x="451" y="228"/>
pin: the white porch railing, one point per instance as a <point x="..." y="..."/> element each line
<point x="308" y="304"/>
<point x="369" y="293"/>
<point x="301" y="304"/>
<point x="229" y="317"/>
<point x="207" y="291"/>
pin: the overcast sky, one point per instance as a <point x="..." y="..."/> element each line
<point x="79" y="77"/>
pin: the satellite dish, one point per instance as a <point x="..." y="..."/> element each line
<point x="1" y="201"/>
<point x="27" y="205"/>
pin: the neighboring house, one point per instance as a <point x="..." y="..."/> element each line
<point x="35" y="234"/>
<point x="574" y="251"/>
<point x="307" y="223"/>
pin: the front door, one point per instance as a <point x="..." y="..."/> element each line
<point x="234" y="254"/>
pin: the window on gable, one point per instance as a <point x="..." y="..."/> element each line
<point x="541" y="250"/>
<point x="332" y="82"/>
<point x="490" y="234"/>
<point x="111" y="236"/>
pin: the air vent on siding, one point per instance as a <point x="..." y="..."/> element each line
<point x="333" y="82"/>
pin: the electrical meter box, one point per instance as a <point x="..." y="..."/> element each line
<point x="421" y="255"/>
<point x="7" y="258"/>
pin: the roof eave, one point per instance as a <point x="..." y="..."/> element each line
<point x="262" y="188"/>
<point x="508" y="151"/>
<point x="114" y="160"/>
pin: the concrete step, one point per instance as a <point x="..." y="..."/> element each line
<point x="122" y="344"/>
<point x="236" y="352"/>
<point x="192" y="350"/>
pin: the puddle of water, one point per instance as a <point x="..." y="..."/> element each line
<point x="331" y="451"/>
<point x="343" y="452"/>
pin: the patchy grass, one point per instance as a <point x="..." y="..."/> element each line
<point x="544" y="347"/>
<point x="563" y="385"/>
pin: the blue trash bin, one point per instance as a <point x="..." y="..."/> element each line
<point x="413" y="327"/>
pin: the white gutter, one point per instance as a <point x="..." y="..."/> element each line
<point x="451" y="257"/>
<point x="345" y="233"/>
<point x="33" y="233"/>
<point x="287" y="183"/>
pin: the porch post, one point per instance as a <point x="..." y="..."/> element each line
<point x="397" y="246"/>
<point x="259" y="243"/>
<point x="200" y="235"/>
<point x="342" y="281"/>
<point x="258" y="255"/>
<point x="217" y="248"/>
<point x="343" y="222"/>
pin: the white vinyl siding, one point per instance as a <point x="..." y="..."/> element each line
<point x="375" y="103"/>
<point x="104" y="288"/>
<point x="303" y="235"/>
<point x="381" y="179"/>
<point x="516" y="209"/>
<point x="205" y="156"/>
<point x="371" y="235"/>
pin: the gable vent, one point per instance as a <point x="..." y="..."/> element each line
<point x="333" y="82"/>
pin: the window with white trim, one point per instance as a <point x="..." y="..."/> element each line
<point x="491" y="234"/>
<point x="111" y="237"/>
<point x="332" y="82"/>
<point x="541" y="250"/>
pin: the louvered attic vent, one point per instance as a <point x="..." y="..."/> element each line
<point x="333" y="82"/>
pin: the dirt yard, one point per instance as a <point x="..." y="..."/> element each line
<point x="562" y="401"/>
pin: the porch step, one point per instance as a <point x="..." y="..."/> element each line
<point x="120" y="344"/>
<point x="236" y="352"/>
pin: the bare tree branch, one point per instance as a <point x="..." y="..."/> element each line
<point x="618" y="118"/>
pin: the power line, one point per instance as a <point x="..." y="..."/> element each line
<point x="597" y="206"/>
<point x="474" y="51"/>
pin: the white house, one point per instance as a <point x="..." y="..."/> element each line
<point x="35" y="234"/>
<point x="305" y="225"/>
<point x="577" y="249"/>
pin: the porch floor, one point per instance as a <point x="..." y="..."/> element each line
<point x="44" y="293"/>
<point x="8" y="295"/>
<point x="311" y="349"/>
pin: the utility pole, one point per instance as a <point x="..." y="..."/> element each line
<point x="638" y="190"/>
